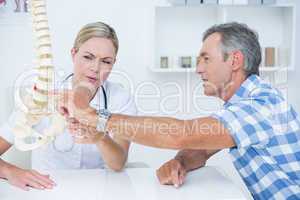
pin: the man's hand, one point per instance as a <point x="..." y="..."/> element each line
<point x="25" y="179"/>
<point x="172" y="173"/>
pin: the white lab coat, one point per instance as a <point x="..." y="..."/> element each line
<point x="65" y="154"/>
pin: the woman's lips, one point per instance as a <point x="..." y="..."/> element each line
<point x="92" y="80"/>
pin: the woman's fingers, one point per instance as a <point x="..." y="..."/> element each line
<point x="72" y="120"/>
<point x="79" y="129"/>
<point x="39" y="181"/>
<point x="82" y="140"/>
<point x="28" y="182"/>
<point x="35" y="184"/>
<point x="81" y="132"/>
<point x="23" y="178"/>
<point x="64" y="103"/>
<point x="44" y="180"/>
<point x="63" y="111"/>
<point x="22" y="186"/>
<point x="73" y="126"/>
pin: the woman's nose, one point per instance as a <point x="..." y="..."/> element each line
<point x="95" y="66"/>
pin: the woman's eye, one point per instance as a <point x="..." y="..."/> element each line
<point x="107" y="62"/>
<point x="206" y="59"/>
<point x="87" y="57"/>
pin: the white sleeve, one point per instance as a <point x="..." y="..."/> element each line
<point x="121" y="101"/>
<point x="6" y="129"/>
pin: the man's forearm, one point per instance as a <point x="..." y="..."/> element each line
<point x="194" y="159"/>
<point x="161" y="132"/>
<point x="171" y="133"/>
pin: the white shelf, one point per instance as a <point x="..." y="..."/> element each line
<point x="193" y="70"/>
<point x="173" y="70"/>
<point x="275" y="69"/>
<point x="178" y="31"/>
<point x="174" y="3"/>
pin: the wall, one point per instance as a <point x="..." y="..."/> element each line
<point x="134" y="23"/>
<point x="293" y="76"/>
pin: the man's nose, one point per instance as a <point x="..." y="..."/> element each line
<point x="200" y="68"/>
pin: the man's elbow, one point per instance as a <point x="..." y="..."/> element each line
<point x="117" y="167"/>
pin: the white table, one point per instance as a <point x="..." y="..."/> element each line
<point x="132" y="184"/>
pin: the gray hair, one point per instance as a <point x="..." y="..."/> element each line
<point x="97" y="29"/>
<point x="237" y="36"/>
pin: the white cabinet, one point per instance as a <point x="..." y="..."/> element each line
<point x="179" y="29"/>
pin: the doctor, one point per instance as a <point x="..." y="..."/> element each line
<point x="94" y="54"/>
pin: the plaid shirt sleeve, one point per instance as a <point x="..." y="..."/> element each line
<point x="249" y="123"/>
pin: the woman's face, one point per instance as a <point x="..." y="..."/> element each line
<point x="93" y="61"/>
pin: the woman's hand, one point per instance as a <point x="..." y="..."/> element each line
<point x="82" y="132"/>
<point x="74" y="106"/>
<point x="25" y="179"/>
<point x="74" y="103"/>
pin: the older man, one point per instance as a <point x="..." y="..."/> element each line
<point x="256" y="123"/>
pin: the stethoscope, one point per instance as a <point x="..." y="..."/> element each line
<point x="105" y="107"/>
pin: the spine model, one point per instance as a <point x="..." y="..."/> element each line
<point x="43" y="50"/>
<point x="37" y="103"/>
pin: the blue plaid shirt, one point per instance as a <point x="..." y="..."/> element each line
<point x="266" y="131"/>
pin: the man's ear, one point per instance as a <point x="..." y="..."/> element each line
<point x="238" y="60"/>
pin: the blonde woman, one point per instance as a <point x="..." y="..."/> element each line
<point x="93" y="54"/>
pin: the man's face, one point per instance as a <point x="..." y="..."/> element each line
<point x="214" y="71"/>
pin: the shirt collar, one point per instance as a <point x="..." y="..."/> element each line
<point x="246" y="89"/>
